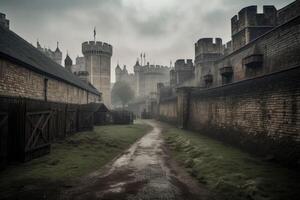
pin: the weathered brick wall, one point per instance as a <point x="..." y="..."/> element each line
<point x="280" y="49"/>
<point x="261" y="115"/>
<point x="168" y="110"/>
<point x="19" y="81"/>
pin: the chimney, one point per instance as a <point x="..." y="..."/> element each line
<point x="3" y="21"/>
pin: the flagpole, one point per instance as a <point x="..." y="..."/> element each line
<point x="95" y="34"/>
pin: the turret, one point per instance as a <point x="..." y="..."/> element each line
<point x="118" y="72"/>
<point x="249" y="25"/>
<point x="125" y="70"/>
<point x="98" y="65"/>
<point x="206" y="50"/>
<point x="184" y="70"/>
<point x="96" y="48"/>
<point x="137" y="66"/>
<point x="57" y="55"/>
<point x="68" y="63"/>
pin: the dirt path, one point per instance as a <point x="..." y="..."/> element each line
<point x="145" y="171"/>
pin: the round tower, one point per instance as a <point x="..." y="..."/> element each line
<point x="98" y="62"/>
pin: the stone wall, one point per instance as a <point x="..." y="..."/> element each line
<point x="19" y="81"/>
<point x="260" y="115"/>
<point x="168" y="110"/>
<point x="279" y="48"/>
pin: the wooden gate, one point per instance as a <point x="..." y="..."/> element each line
<point x="71" y="120"/>
<point x="37" y="134"/>
<point x="58" y="129"/>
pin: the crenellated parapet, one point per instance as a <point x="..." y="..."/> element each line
<point x="207" y="45"/>
<point x="184" y="65"/>
<point x="159" y="69"/>
<point x="248" y="17"/>
<point x="97" y="48"/>
<point x="207" y="50"/>
<point x="249" y="25"/>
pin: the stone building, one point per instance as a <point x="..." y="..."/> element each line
<point x="94" y="67"/>
<point x="26" y="72"/>
<point x="144" y="83"/>
<point x="252" y="51"/>
<point x="247" y="91"/>
<point x="145" y="78"/>
<point x="56" y="55"/>
<point x="124" y="76"/>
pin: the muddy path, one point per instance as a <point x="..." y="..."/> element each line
<point x="144" y="171"/>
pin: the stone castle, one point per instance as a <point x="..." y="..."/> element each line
<point x="248" y="54"/>
<point x="56" y="55"/>
<point x="246" y="91"/>
<point x="145" y="78"/>
<point x="94" y="67"/>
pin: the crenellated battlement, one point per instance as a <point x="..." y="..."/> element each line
<point x="207" y="45"/>
<point x="152" y="69"/>
<point x="248" y="17"/>
<point x="92" y="47"/>
<point x="182" y="64"/>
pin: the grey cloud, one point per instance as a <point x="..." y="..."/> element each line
<point x="165" y="31"/>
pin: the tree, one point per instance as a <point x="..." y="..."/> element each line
<point x="122" y="93"/>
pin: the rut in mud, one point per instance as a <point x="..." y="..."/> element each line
<point x="145" y="171"/>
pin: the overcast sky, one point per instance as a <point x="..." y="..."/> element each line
<point x="164" y="29"/>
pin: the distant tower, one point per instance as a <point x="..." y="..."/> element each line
<point x="98" y="62"/>
<point x="57" y="55"/>
<point x="68" y="63"/>
<point x="118" y="73"/>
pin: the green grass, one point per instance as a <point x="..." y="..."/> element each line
<point x="74" y="157"/>
<point x="229" y="172"/>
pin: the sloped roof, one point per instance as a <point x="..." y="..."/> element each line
<point x="19" y="51"/>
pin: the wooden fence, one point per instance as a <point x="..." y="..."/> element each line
<point x="122" y="117"/>
<point x="27" y="127"/>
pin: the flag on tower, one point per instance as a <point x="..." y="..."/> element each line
<point x="95" y="33"/>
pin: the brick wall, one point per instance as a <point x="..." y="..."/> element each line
<point x="19" y="81"/>
<point x="261" y="115"/>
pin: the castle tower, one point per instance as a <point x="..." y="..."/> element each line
<point x="98" y="62"/>
<point x="57" y="55"/>
<point x="207" y="51"/>
<point x="249" y="25"/>
<point x="183" y="71"/>
<point x="118" y="72"/>
<point x="68" y="63"/>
